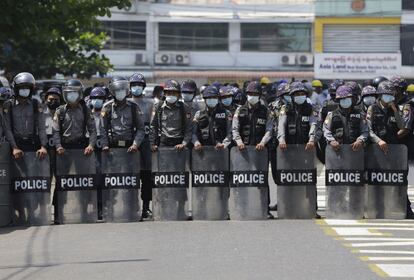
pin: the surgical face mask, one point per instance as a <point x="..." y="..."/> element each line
<point x="369" y="100"/>
<point x="120" y="95"/>
<point x="345" y="103"/>
<point x="387" y="98"/>
<point x="97" y="103"/>
<point x="72" y="97"/>
<point x="53" y="104"/>
<point x="252" y="99"/>
<point x="211" y="103"/>
<point x="187" y="97"/>
<point x="300" y="99"/>
<point x="171" y="99"/>
<point x="227" y="101"/>
<point x="24" y="92"/>
<point x="137" y="90"/>
<point x="287" y="98"/>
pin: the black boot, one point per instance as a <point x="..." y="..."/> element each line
<point x="146" y="212"/>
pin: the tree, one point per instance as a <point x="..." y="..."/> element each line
<point x="46" y="37"/>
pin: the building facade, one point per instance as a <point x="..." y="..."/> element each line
<point x="213" y="36"/>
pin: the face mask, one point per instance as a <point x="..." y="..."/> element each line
<point x="369" y="100"/>
<point x="72" y="97"/>
<point x="227" y="101"/>
<point x="137" y="90"/>
<point x="187" y="97"/>
<point x="211" y="103"/>
<point x="52" y="105"/>
<point x="345" y="103"/>
<point x="25" y="92"/>
<point x="287" y="98"/>
<point x="252" y="99"/>
<point x="97" y="103"/>
<point x="387" y="98"/>
<point x="300" y="99"/>
<point x="120" y="95"/>
<point x="171" y="99"/>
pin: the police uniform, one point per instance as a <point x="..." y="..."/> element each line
<point x="146" y="106"/>
<point x="71" y="124"/>
<point x="171" y="125"/>
<point x="123" y="124"/>
<point x="25" y="124"/>
<point x="251" y="126"/>
<point x="384" y="125"/>
<point x="345" y="127"/>
<point x="297" y="124"/>
<point x="212" y="127"/>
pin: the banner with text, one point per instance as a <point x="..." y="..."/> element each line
<point x="356" y="65"/>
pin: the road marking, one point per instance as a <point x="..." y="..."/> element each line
<point x="378" y="244"/>
<point x="374" y="239"/>
<point x="377" y="270"/>
<point x="356" y="251"/>
<point x="386" y="259"/>
<point x="360" y="231"/>
<point x="367" y="223"/>
<point x="397" y="270"/>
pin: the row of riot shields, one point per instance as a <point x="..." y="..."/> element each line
<point x="223" y="185"/>
<point x="76" y="181"/>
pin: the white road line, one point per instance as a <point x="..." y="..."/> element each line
<point x="368" y="224"/>
<point x="397" y="270"/>
<point x="379" y="244"/>
<point x="387" y="259"/>
<point x="356" y="231"/>
<point x="383" y="252"/>
<point x="376" y="239"/>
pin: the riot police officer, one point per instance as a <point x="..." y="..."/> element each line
<point x="282" y="98"/>
<point x="250" y="122"/>
<point x="386" y="123"/>
<point x="23" y="117"/>
<point x="172" y="123"/>
<point x="74" y="121"/>
<point x="122" y="120"/>
<point x="346" y="124"/>
<point x="212" y="126"/>
<point x="226" y="98"/>
<point x="297" y="121"/>
<point x="97" y="99"/>
<point x="369" y="97"/>
<point x="146" y="106"/>
<point x="328" y="106"/>
<point x="188" y="93"/>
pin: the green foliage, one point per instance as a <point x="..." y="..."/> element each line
<point x="46" y="37"/>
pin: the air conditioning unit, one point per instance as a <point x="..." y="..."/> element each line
<point x="304" y="59"/>
<point x="140" y="59"/>
<point x="182" y="58"/>
<point x="162" y="58"/>
<point x="288" y="59"/>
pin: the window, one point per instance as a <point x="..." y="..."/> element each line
<point x="408" y="5"/>
<point x="125" y="34"/>
<point x="276" y="37"/>
<point x="193" y="36"/>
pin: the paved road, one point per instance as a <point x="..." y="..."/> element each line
<point x="274" y="249"/>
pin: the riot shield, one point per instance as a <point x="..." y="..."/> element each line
<point x="170" y="170"/>
<point x="210" y="189"/>
<point x="120" y="185"/>
<point x="386" y="192"/>
<point x="76" y="187"/>
<point x="30" y="188"/>
<point x="296" y="183"/>
<point x="344" y="178"/>
<point x="5" y="197"/>
<point x="248" y="184"/>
